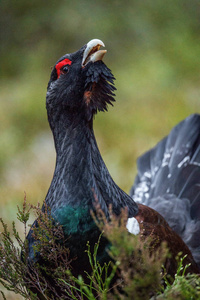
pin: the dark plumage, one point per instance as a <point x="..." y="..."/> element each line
<point x="80" y="174"/>
<point x="80" y="85"/>
<point x="168" y="181"/>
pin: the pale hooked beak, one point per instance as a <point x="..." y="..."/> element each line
<point x="92" y="52"/>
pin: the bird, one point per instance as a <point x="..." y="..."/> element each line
<point x="165" y="198"/>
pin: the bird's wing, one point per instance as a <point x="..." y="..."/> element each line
<point x="168" y="181"/>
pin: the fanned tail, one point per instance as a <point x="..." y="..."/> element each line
<point x="168" y="181"/>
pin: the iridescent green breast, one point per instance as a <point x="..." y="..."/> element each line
<point x="74" y="219"/>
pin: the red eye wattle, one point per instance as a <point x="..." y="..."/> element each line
<point x="61" y="64"/>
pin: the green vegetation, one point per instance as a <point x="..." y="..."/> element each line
<point x="153" y="51"/>
<point x="133" y="273"/>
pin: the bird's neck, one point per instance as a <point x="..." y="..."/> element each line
<point x="81" y="177"/>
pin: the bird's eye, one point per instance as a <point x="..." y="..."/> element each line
<point x="63" y="67"/>
<point x="64" y="70"/>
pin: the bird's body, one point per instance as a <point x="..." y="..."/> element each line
<point x="80" y="174"/>
<point x="79" y="86"/>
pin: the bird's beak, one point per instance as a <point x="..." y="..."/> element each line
<point x="92" y="52"/>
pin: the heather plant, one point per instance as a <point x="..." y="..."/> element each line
<point x="21" y="277"/>
<point x="134" y="271"/>
<point x="183" y="286"/>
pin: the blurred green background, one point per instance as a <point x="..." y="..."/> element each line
<point x="154" y="53"/>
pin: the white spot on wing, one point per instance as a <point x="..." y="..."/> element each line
<point x="133" y="226"/>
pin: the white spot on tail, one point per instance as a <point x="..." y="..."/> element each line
<point x="184" y="161"/>
<point x="133" y="226"/>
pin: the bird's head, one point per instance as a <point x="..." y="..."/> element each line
<point x="81" y="82"/>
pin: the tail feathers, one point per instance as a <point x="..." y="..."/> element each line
<point x="188" y="186"/>
<point x="168" y="180"/>
<point x="173" y="166"/>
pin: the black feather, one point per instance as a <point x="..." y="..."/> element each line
<point x="168" y="181"/>
<point x="99" y="81"/>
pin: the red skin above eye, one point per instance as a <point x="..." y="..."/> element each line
<point x="61" y="64"/>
